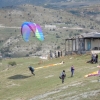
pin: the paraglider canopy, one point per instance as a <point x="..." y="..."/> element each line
<point x="28" y="27"/>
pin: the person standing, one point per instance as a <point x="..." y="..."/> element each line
<point x="72" y="70"/>
<point x="96" y="61"/>
<point x="62" y="76"/>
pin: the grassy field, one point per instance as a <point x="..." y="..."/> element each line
<point x="17" y="83"/>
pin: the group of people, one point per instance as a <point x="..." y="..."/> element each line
<point x="63" y="74"/>
<point x="94" y="58"/>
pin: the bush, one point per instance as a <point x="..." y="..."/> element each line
<point x="58" y="47"/>
<point x="12" y="63"/>
<point x="27" y="55"/>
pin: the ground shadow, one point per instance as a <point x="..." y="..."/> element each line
<point x="18" y="77"/>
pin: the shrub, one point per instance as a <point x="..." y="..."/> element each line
<point x="27" y="55"/>
<point x="58" y="47"/>
<point x="12" y="63"/>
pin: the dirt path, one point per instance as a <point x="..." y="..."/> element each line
<point x="1" y="26"/>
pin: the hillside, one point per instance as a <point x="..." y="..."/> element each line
<point x="67" y="24"/>
<point x="91" y="12"/>
<point x="17" y="82"/>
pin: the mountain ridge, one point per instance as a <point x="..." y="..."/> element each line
<point x="45" y="3"/>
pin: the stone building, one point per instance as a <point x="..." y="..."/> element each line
<point x="83" y="43"/>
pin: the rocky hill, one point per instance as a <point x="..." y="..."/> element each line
<point x="57" y="24"/>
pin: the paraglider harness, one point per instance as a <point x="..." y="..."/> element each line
<point x="62" y="76"/>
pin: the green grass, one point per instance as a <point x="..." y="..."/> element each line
<point x="17" y="83"/>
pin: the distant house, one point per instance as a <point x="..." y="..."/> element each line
<point x="50" y="27"/>
<point x="83" y="43"/>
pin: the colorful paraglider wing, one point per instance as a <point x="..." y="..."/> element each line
<point x="39" y="33"/>
<point x="26" y="30"/>
<point x="96" y="73"/>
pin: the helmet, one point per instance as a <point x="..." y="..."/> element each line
<point x="63" y="70"/>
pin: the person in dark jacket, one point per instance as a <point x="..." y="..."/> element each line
<point x="72" y="71"/>
<point x="31" y="69"/>
<point x="62" y="76"/>
<point x="96" y="61"/>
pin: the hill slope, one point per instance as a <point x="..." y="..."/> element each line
<point x="17" y="83"/>
<point x="67" y="24"/>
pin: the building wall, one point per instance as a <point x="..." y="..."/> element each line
<point x="81" y="45"/>
<point x="86" y="40"/>
<point x="94" y="43"/>
<point x="73" y="45"/>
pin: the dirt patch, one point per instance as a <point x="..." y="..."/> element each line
<point x="68" y="96"/>
<point x="49" y="76"/>
<point x="53" y="92"/>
